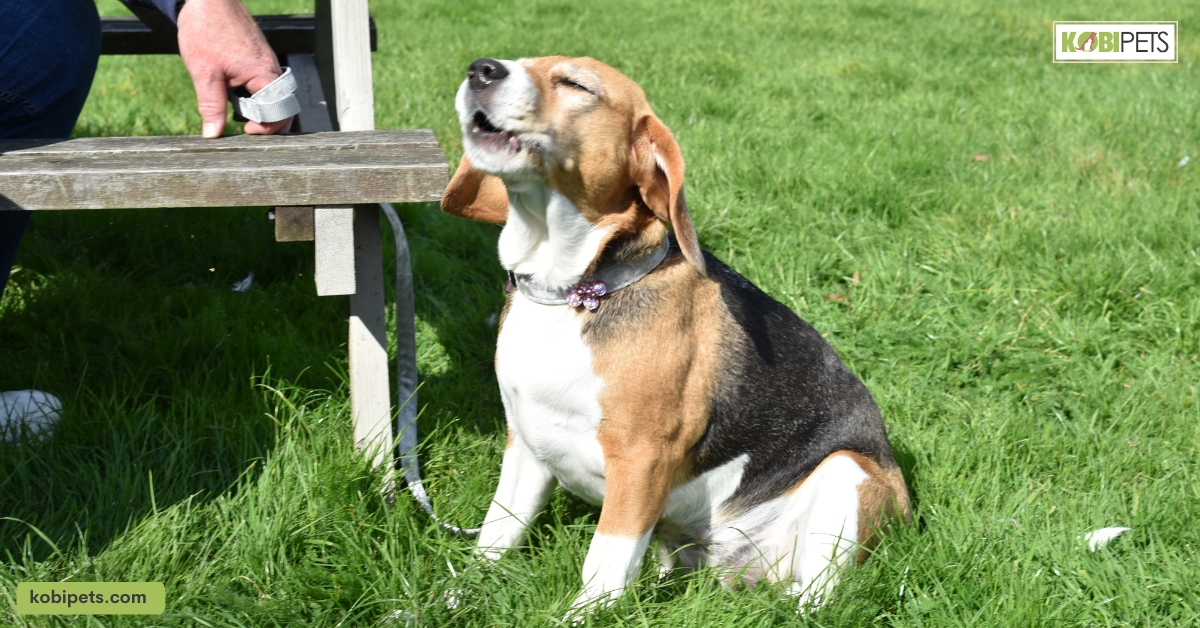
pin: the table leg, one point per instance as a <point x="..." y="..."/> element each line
<point x="370" y="399"/>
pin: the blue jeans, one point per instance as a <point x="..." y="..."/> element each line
<point x="48" y="55"/>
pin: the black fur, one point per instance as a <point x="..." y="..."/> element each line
<point x="785" y="397"/>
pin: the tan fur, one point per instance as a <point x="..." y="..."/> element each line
<point x="659" y="382"/>
<point x="475" y="195"/>
<point x="620" y="165"/>
<point x="608" y="151"/>
<point x="658" y="170"/>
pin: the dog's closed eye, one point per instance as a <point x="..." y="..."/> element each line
<point x="566" y="82"/>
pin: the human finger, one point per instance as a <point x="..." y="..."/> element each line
<point x="268" y="128"/>
<point x="211" y="99"/>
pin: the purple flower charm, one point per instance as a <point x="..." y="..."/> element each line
<point x="586" y="293"/>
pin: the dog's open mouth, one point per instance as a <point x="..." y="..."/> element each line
<point x="485" y="132"/>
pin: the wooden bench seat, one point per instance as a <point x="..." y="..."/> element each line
<point x="307" y="169"/>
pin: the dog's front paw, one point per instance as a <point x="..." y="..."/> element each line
<point x="591" y="599"/>
<point x="575" y="617"/>
<point x="488" y="555"/>
<point x="808" y="598"/>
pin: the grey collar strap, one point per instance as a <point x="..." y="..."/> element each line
<point x="612" y="278"/>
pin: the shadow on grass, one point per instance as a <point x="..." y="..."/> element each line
<point x="459" y="292"/>
<point x="130" y="318"/>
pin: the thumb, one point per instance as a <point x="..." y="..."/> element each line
<point x="211" y="99"/>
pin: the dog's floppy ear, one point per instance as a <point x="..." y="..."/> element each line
<point x="475" y="195"/>
<point x="657" y="166"/>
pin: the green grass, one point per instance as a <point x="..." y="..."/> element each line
<point x="1030" y="326"/>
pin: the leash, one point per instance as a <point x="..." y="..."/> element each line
<point x="406" y="375"/>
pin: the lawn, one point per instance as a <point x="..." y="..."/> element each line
<point x="1028" y="321"/>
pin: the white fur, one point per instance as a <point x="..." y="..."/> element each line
<point x="612" y="562"/>
<point x="511" y="106"/>
<point x="551" y="393"/>
<point x="611" y="565"/>
<point x="546" y="236"/>
<point x="805" y="536"/>
<point x="525" y="486"/>
<point x="697" y="504"/>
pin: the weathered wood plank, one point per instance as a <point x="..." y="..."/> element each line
<point x="354" y="108"/>
<point x="334" y="246"/>
<point x="286" y="34"/>
<point x="370" y="397"/>
<point x="196" y="144"/>
<point x="314" y="108"/>
<point x="283" y="170"/>
<point x="355" y="99"/>
<point x="294" y="224"/>
<point x="379" y="156"/>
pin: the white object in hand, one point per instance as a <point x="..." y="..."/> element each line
<point x="277" y="101"/>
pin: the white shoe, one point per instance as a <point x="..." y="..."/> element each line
<point x="32" y="412"/>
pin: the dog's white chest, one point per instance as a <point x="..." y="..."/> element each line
<point x="551" y="393"/>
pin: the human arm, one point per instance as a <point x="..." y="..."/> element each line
<point x="222" y="48"/>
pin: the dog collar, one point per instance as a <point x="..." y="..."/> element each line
<point x="588" y="291"/>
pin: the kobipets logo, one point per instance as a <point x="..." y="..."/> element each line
<point x="1116" y="42"/>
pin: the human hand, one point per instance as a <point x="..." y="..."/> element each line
<point x="222" y="47"/>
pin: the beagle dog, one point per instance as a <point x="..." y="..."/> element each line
<point x="637" y="370"/>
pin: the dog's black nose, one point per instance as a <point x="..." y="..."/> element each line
<point x="484" y="72"/>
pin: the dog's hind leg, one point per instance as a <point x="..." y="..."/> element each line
<point x="524" y="489"/>
<point x="830" y="532"/>
<point x="806" y="535"/>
